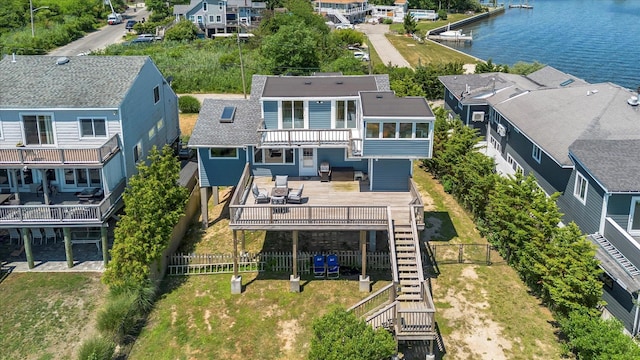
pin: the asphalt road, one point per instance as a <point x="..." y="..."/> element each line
<point x="100" y="39"/>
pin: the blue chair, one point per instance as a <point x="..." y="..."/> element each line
<point x="333" y="267"/>
<point x="319" y="269"/>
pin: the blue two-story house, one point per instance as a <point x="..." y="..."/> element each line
<point x="72" y="131"/>
<point x="580" y="140"/>
<point x="323" y="153"/>
<point x="221" y="16"/>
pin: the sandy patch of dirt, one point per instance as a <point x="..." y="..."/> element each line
<point x="187" y="122"/>
<point x="207" y="315"/>
<point x="287" y="333"/>
<point x="474" y="335"/>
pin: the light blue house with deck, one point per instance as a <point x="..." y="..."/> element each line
<point x="72" y="131"/>
<point x="345" y="145"/>
<point x="580" y="140"/>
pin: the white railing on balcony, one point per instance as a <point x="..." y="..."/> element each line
<point x="309" y="137"/>
<point x="57" y="214"/>
<point x="39" y="155"/>
<point x="349" y="11"/>
<point x="307" y="215"/>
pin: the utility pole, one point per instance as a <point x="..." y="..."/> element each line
<point x="32" y="10"/>
<point x="244" y="86"/>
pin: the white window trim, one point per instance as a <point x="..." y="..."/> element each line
<point x="154" y="94"/>
<point x="295" y="155"/>
<point x="480" y="114"/>
<point x="512" y="161"/>
<point x="536" y="153"/>
<point x="576" y="188"/>
<point x="397" y="134"/>
<point x="224" y="157"/>
<point x="334" y="113"/>
<point x="495" y="144"/>
<point x="141" y="156"/>
<point x="106" y="127"/>
<point x="305" y="114"/>
<point x="632" y="209"/>
<point x="53" y="127"/>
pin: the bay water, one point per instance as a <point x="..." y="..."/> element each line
<point x="595" y="40"/>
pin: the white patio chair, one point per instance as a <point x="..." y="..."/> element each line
<point x="49" y="233"/>
<point x="14" y="234"/>
<point x="36" y="234"/>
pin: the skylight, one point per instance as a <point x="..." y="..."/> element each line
<point x="227" y="114"/>
<point x="566" y="82"/>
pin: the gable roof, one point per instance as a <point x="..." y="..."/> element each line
<point x="555" y="118"/>
<point x="613" y="163"/>
<point x="322" y="86"/>
<point x="184" y="9"/>
<point x="33" y="82"/>
<point x="386" y="103"/>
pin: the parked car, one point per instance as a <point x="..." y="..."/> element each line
<point x="361" y="55"/>
<point x="139" y="40"/>
<point x="130" y="24"/>
<point x="343" y="26"/>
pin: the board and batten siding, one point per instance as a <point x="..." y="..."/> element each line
<point x="586" y="216"/>
<point x="220" y="172"/>
<point x="320" y="115"/>
<point x="336" y="158"/>
<point x="400" y="148"/>
<point x="391" y="175"/>
<point x="270" y="109"/>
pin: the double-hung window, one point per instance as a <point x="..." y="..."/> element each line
<point x="345" y="114"/>
<point x="536" y="153"/>
<point x="580" y="188"/>
<point x="38" y="129"/>
<point x="293" y="115"/>
<point x="93" y="127"/>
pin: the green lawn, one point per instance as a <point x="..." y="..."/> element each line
<point x="428" y="52"/>
<point x="479" y="307"/>
<point x="429" y="25"/>
<point x="47" y="315"/>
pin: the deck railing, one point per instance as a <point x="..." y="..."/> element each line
<point x="293" y="137"/>
<point x="385" y="295"/>
<point x="307" y="215"/>
<point x="58" y="214"/>
<point x="39" y="155"/>
<point x="417" y="206"/>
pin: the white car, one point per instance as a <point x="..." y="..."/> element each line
<point x="361" y="55"/>
<point x="344" y="26"/>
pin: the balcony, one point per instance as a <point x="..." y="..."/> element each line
<point x="336" y="205"/>
<point x="304" y="137"/>
<point x="59" y="156"/>
<point x="66" y="210"/>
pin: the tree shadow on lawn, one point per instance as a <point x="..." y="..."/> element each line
<point x="439" y="226"/>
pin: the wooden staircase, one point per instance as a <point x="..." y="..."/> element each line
<point x="406" y="259"/>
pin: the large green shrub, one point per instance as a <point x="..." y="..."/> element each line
<point x="97" y="348"/>
<point x="125" y="310"/>
<point x="188" y="104"/>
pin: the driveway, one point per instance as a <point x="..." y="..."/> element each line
<point x="100" y="39"/>
<point x="386" y="51"/>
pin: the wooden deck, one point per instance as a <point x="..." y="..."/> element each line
<point x="344" y="205"/>
<point x="59" y="156"/>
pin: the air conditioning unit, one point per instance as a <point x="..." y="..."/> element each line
<point x="502" y="130"/>
<point x="477" y="116"/>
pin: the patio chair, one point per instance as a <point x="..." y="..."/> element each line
<point x="260" y="195"/>
<point x="36" y="234"/>
<point x="333" y="267"/>
<point x="282" y="181"/>
<point x="295" y="196"/>
<point x="14" y="234"/>
<point x="50" y="234"/>
<point x="324" y="171"/>
<point x="319" y="269"/>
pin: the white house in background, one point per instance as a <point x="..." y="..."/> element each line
<point x="343" y="11"/>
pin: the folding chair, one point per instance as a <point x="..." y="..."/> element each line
<point x="319" y="270"/>
<point x="333" y="267"/>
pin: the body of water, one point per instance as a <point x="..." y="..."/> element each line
<point x="596" y="40"/>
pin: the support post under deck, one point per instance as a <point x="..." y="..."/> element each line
<point x="294" y="280"/>
<point x="365" y="283"/>
<point x="236" y="279"/>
